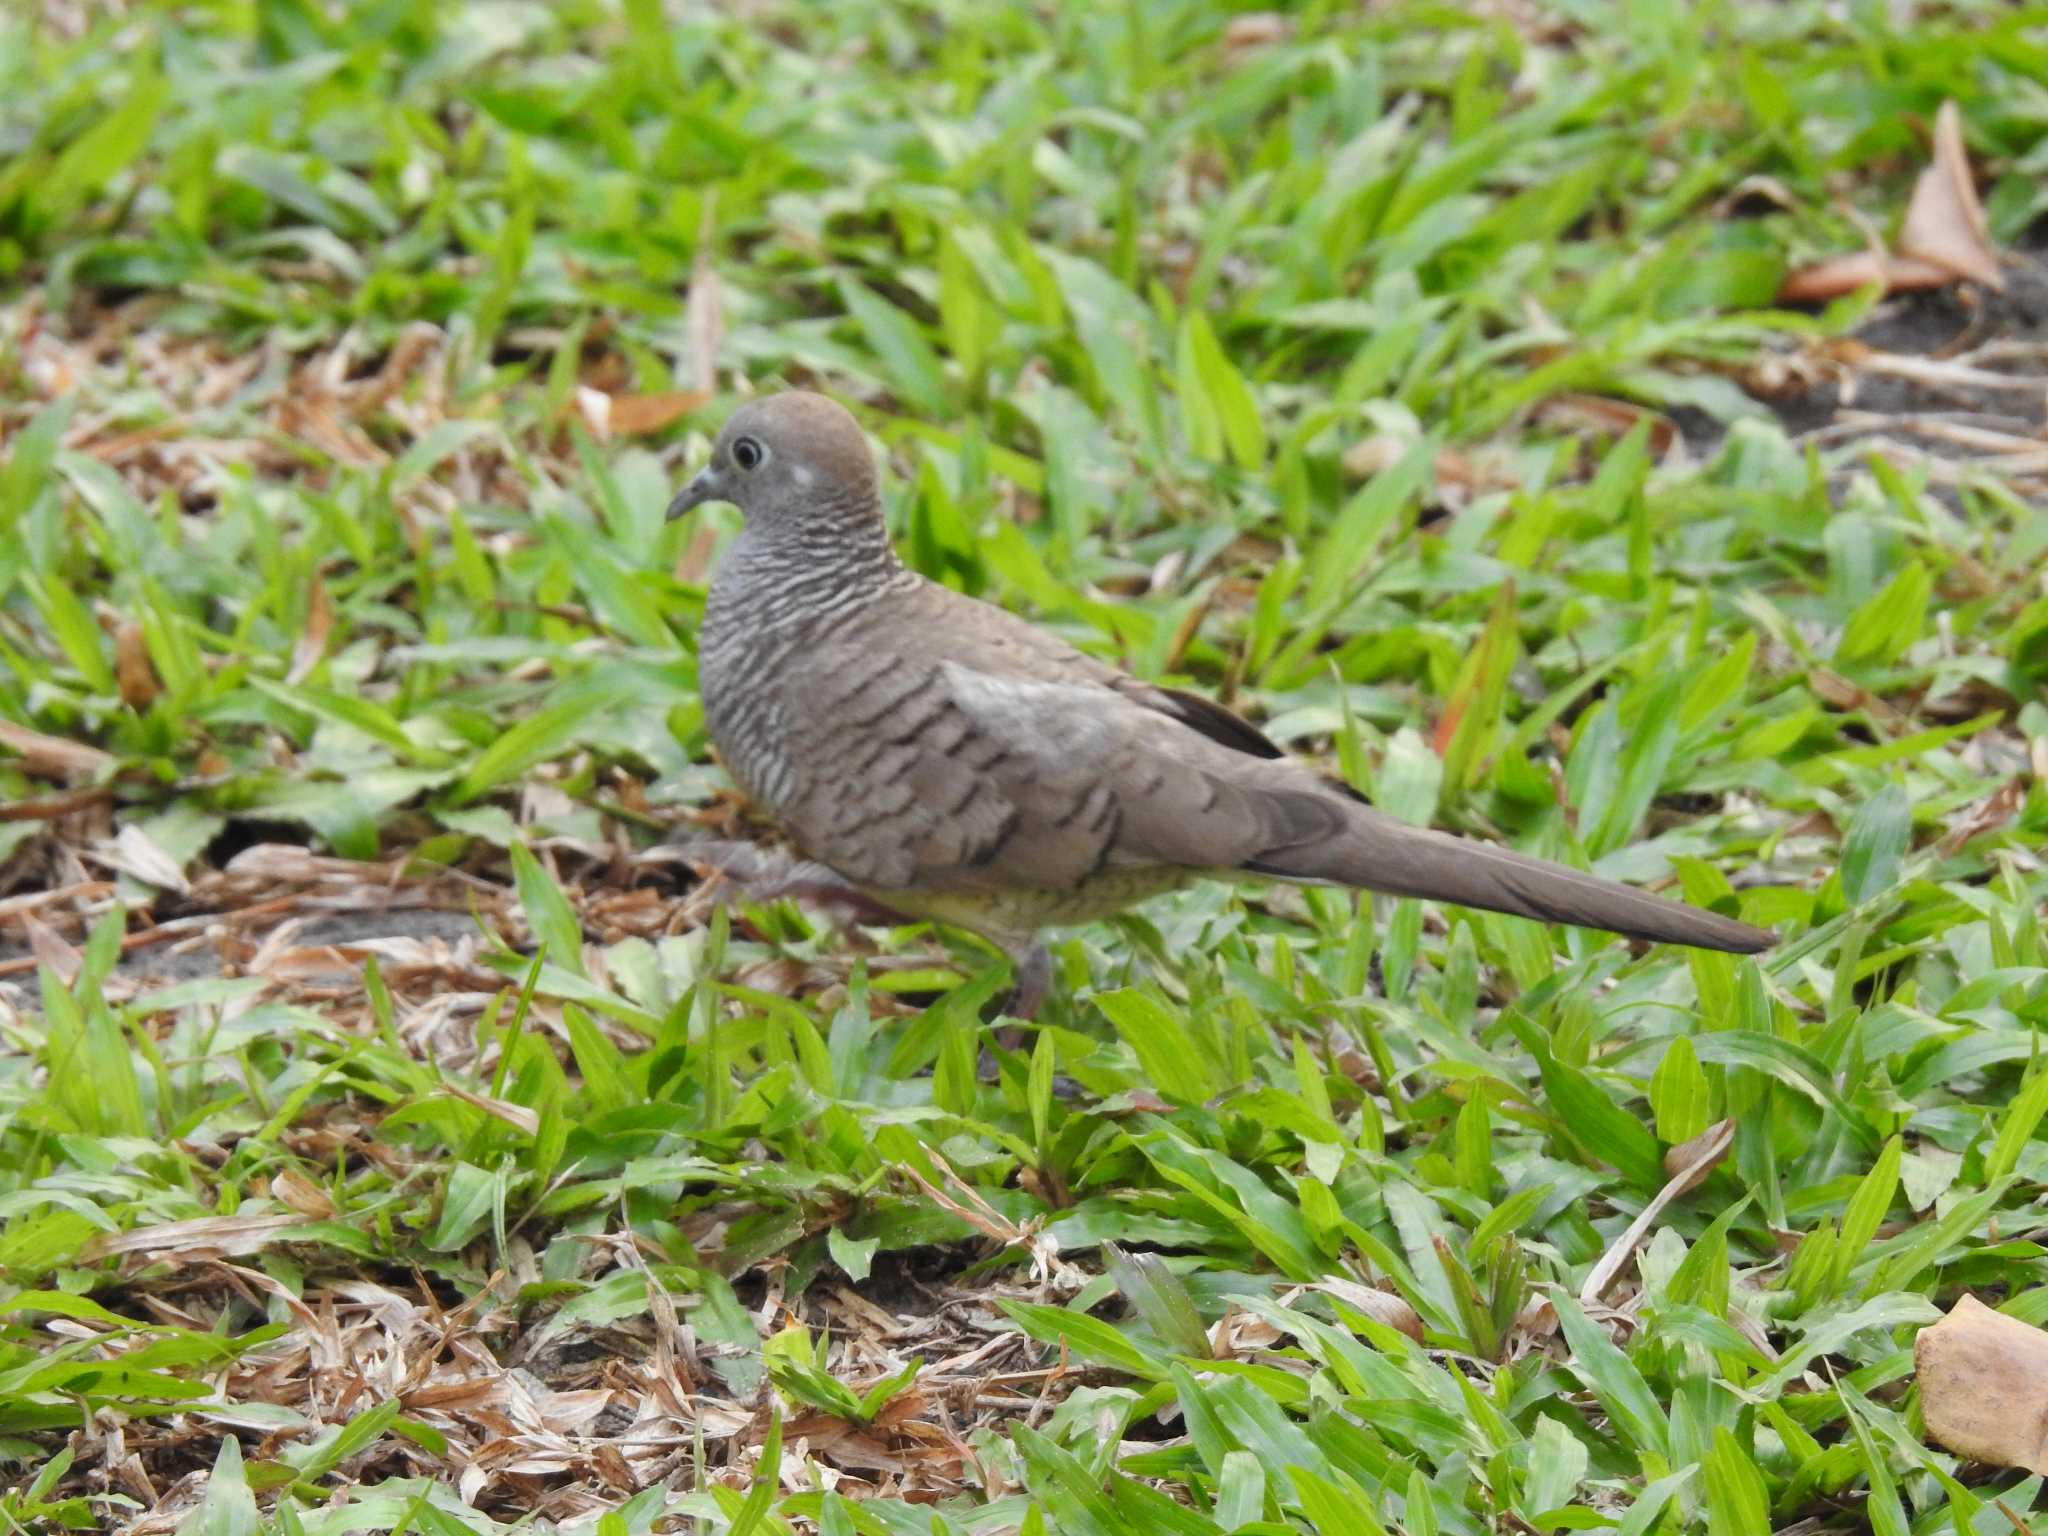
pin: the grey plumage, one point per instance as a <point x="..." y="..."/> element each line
<point x="949" y="761"/>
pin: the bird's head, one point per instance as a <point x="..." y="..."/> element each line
<point x="787" y="459"/>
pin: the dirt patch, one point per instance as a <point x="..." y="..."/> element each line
<point x="1974" y="330"/>
<point x="1956" y="378"/>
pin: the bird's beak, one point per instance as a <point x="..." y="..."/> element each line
<point x="706" y="485"/>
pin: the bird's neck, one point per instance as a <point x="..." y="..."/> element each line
<point x="789" y="569"/>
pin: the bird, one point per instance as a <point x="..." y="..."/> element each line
<point x="935" y="757"/>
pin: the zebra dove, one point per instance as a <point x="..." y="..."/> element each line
<point x="936" y="757"/>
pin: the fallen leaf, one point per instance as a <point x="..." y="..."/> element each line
<point x="1988" y="814"/>
<point x="1686" y="1166"/>
<point x="51" y="948"/>
<point x="311" y="645"/>
<point x="52" y="756"/>
<point x="1369" y="456"/>
<point x="1984" y="1386"/>
<point x="135" y="852"/>
<point x="131" y="666"/>
<point x="302" y="1194"/>
<point x="1382" y="1307"/>
<point x="1945" y="223"/>
<point x="1838" y="275"/>
<point x="1944" y="236"/>
<point x="518" y="1116"/>
<point x="693" y="565"/>
<point x="201" y="1236"/>
<point x="650" y="413"/>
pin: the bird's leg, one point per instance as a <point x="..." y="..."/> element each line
<point x="1032" y="964"/>
<point x="764" y="875"/>
<point x="1031" y="978"/>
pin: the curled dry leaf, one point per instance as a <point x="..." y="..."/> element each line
<point x="1944" y="236"/>
<point x="1984" y="1386"/>
<point x="1382" y="1307"/>
<point x="1688" y="1164"/>
<point x="294" y="1189"/>
<point x="51" y="948"/>
<point x="1838" y="275"/>
<point x="518" y="1116"/>
<point x="1945" y="223"/>
<point x="1686" y="1167"/>
<point x="132" y="668"/>
<point x="135" y="852"/>
<point x="1988" y="814"/>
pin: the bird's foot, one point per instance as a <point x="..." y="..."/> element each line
<point x="765" y="874"/>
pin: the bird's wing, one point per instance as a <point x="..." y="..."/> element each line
<point x="988" y="757"/>
<point x="945" y="775"/>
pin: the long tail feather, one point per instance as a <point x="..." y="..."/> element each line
<point x="1382" y="854"/>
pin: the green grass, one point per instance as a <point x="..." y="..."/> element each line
<point x="1238" y="361"/>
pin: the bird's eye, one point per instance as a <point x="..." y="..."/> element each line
<point x="748" y="453"/>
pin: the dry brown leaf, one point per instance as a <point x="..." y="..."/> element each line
<point x="53" y="807"/>
<point x="1686" y="1166"/>
<point x="1993" y="811"/>
<point x="75" y="895"/>
<point x="1944" y="236"/>
<point x="311" y="412"/>
<point x="132" y="667"/>
<point x="1382" y="1307"/>
<point x="51" y="948"/>
<point x="1538" y="1318"/>
<point x="201" y="1236"/>
<point x="1838" y="275"/>
<point x="134" y="852"/>
<point x="693" y="566"/>
<point x="631" y="414"/>
<point x="302" y="1194"/>
<point x="412" y="347"/>
<point x="52" y="756"/>
<point x="518" y="1116"/>
<point x="1984" y="1386"/>
<point x="312" y="642"/>
<point x="1945" y="223"/>
<point x="1238" y="1335"/>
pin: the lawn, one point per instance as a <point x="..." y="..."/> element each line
<point x="396" y="1135"/>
